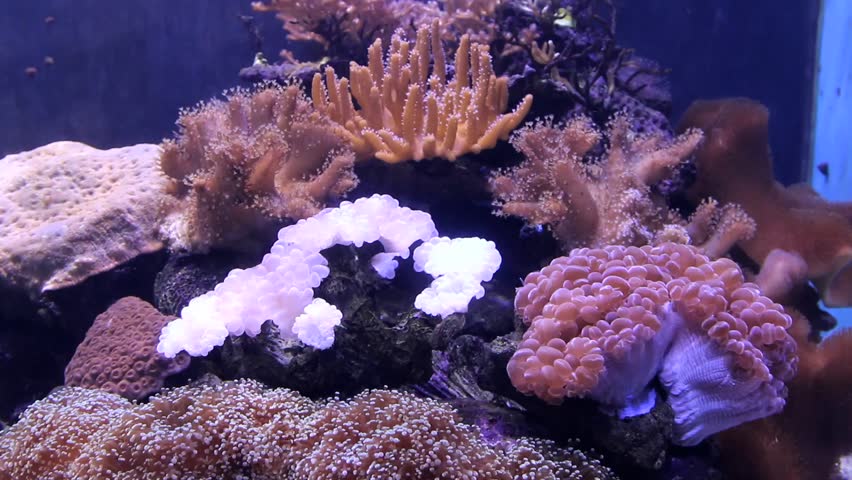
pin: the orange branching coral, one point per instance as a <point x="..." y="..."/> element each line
<point x="119" y="353"/>
<point x="735" y="165"/>
<point x="257" y="156"/>
<point x="601" y="203"/>
<point x="603" y="322"/>
<point x="241" y="430"/>
<point x="406" y="113"/>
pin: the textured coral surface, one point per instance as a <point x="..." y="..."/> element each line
<point x="241" y="430"/>
<point x="240" y="164"/>
<point x="69" y="211"/>
<point x="605" y="202"/>
<point x="602" y="322"/>
<point x="119" y="352"/>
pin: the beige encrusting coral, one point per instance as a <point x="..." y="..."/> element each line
<point x="255" y="157"/>
<point x="242" y="430"/>
<point x="69" y="211"/>
<point x="605" y="202"/>
<point x="407" y="112"/>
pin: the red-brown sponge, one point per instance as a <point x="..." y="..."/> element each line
<point x="119" y="352"/>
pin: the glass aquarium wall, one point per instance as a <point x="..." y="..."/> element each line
<point x="830" y="169"/>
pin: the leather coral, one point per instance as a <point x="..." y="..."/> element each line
<point x="257" y="156"/>
<point x="608" y="201"/>
<point x="735" y="165"/>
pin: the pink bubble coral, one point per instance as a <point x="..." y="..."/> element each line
<point x="603" y="322"/>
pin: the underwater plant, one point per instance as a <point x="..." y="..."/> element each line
<point x="407" y="113"/>
<point x="603" y="322"/>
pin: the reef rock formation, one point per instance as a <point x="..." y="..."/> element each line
<point x="69" y="211"/>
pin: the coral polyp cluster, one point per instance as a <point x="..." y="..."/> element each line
<point x="603" y="322"/>
<point x="669" y="301"/>
<point x="239" y="429"/>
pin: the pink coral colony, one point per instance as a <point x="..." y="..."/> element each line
<point x="603" y="322"/>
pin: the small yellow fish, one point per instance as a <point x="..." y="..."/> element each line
<point x="564" y="18"/>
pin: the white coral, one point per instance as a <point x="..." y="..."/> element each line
<point x="281" y="287"/>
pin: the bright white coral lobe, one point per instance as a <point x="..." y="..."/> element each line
<point x="281" y="287"/>
<point x="459" y="266"/>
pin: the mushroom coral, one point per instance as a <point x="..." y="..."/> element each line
<point x="734" y="164"/>
<point x="603" y="322"/>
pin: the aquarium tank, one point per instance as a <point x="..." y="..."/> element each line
<point x="411" y="239"/>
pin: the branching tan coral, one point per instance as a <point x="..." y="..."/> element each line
<point x="592" y="204"/>
<point x="257" y="156"/>
<point x="408" y="113"/>
<point x="242" y="430"/>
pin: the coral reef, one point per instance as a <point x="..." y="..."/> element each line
<point x="241" y="164"/>
<point x="603" y="322"/>
<point x="118" y="354"/>
<point x="735" y="165"/>
<point x="406" y="113"/>
<point x="606" y="202"/>
<point x="566" y="51"/>
<point x="69" y="211"/>
<point x="240" y="429"/>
